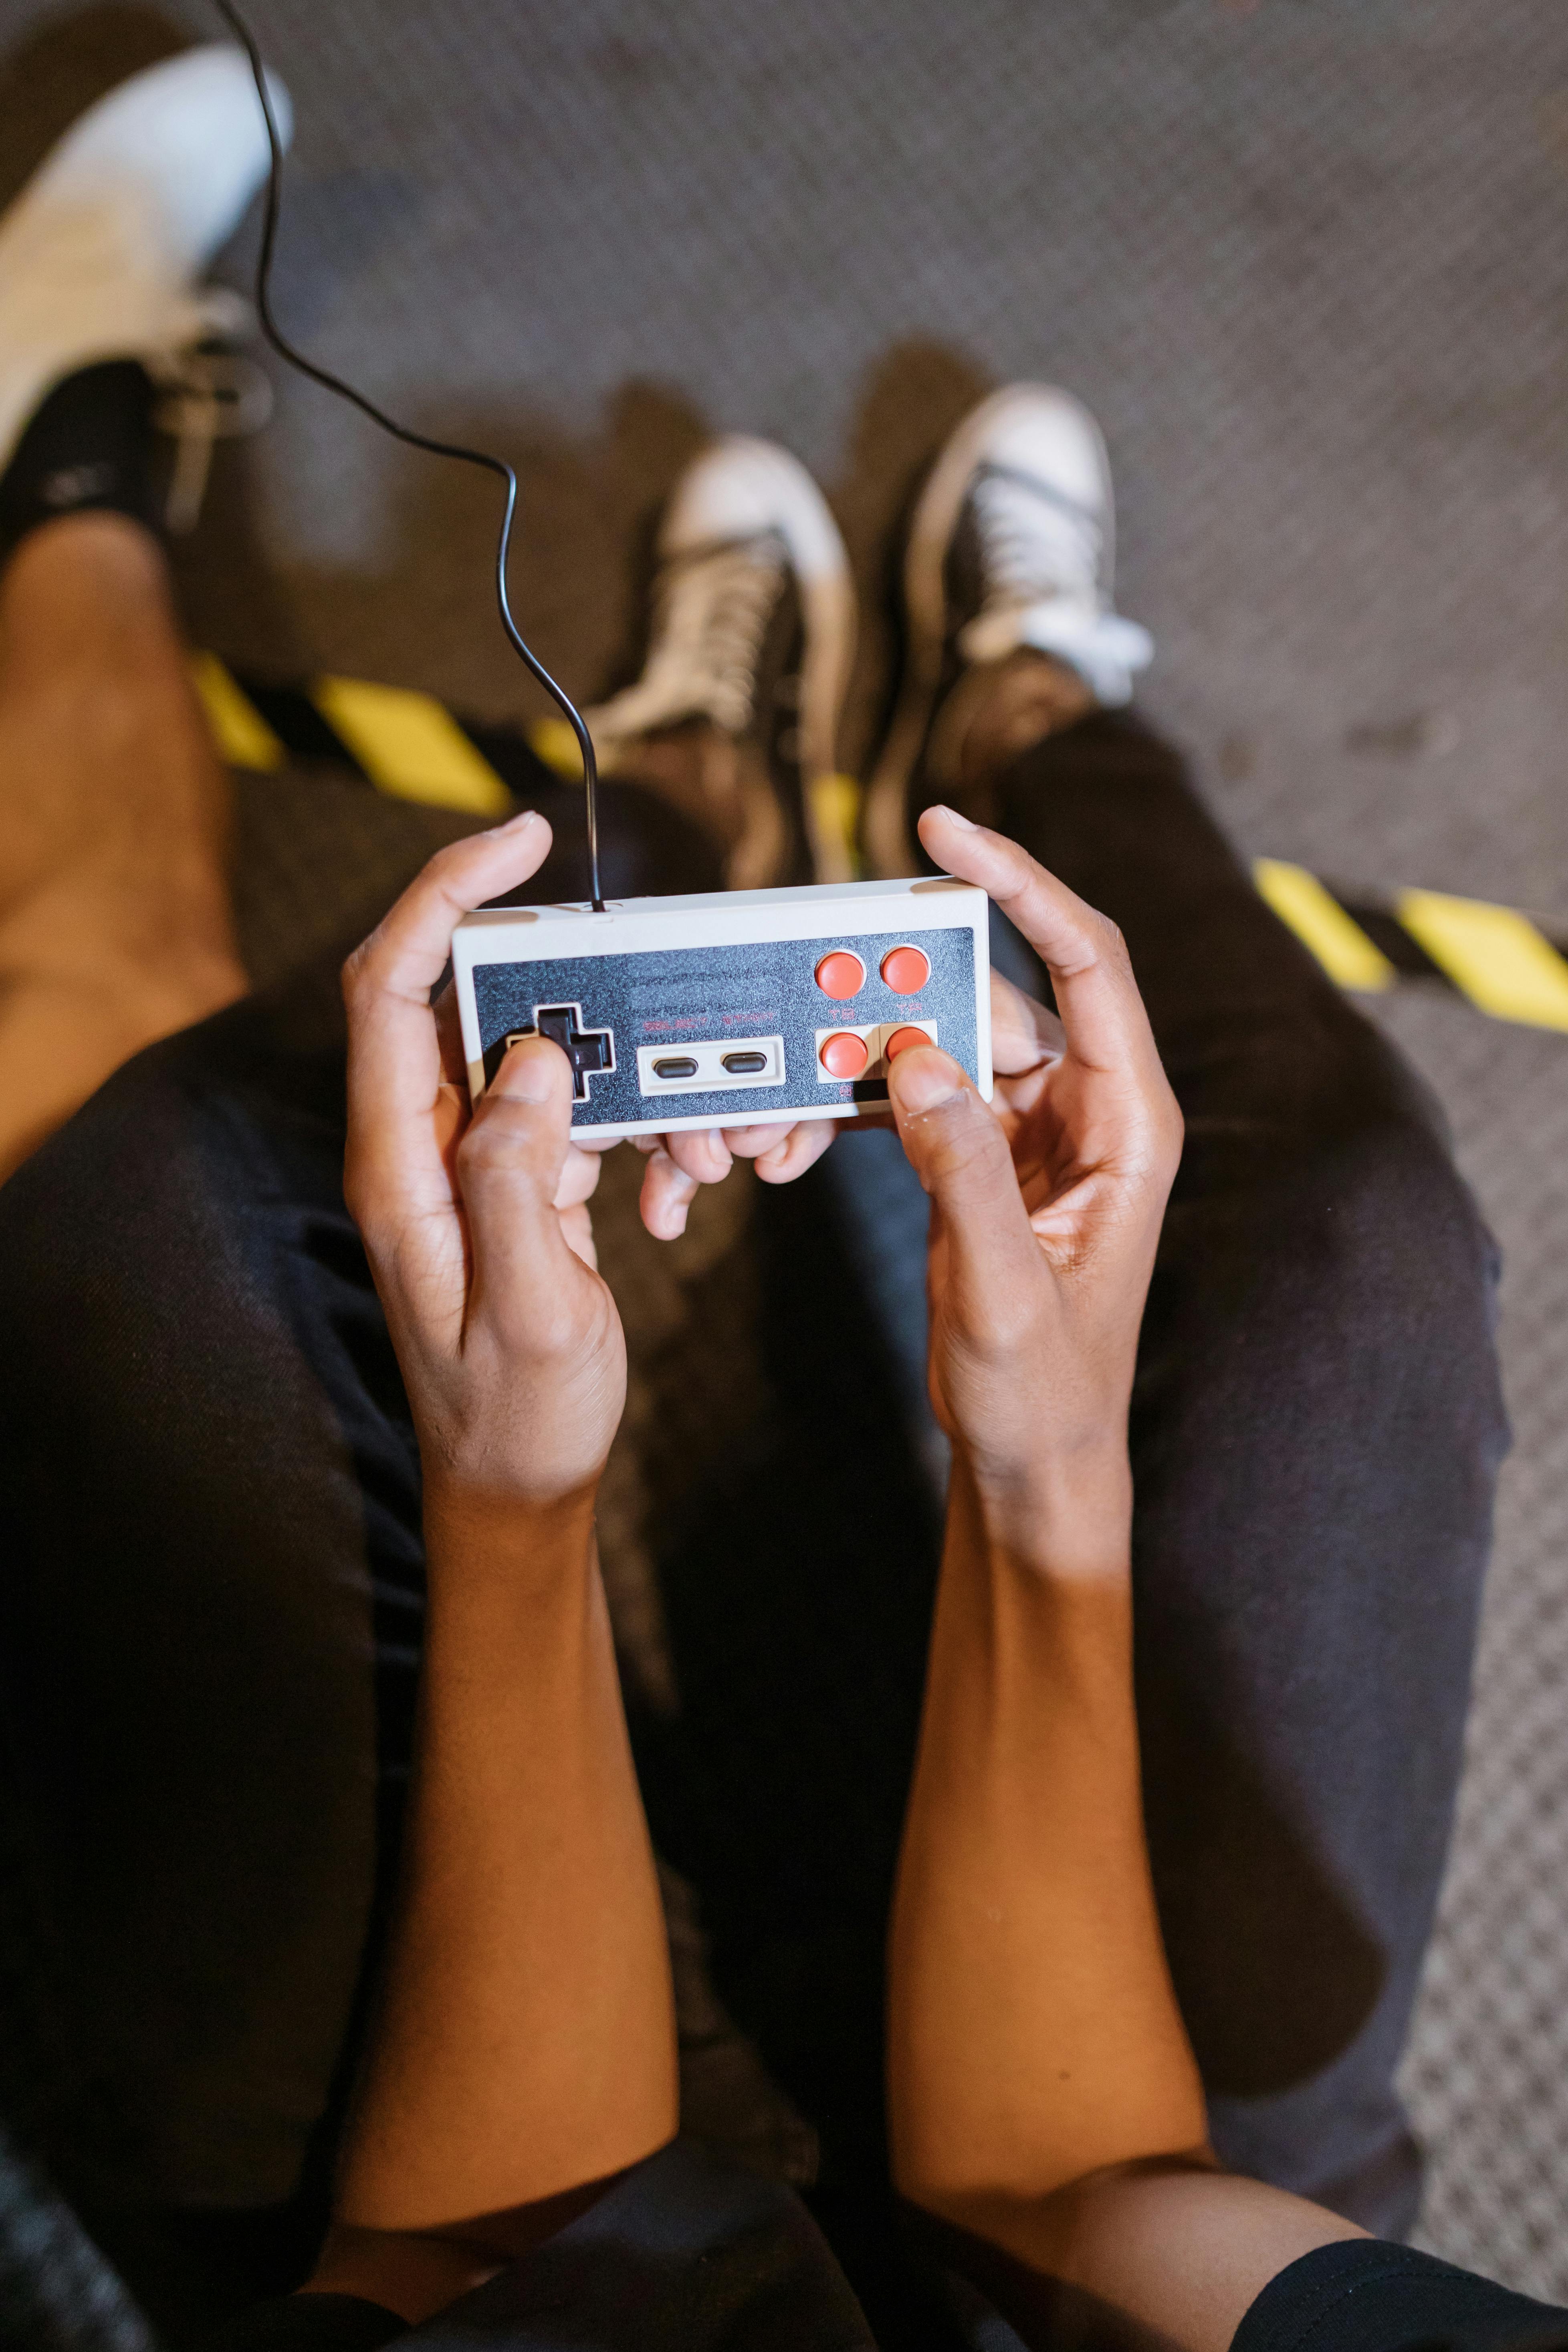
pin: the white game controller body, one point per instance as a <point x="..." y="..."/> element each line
<point x="735" y="1007"/>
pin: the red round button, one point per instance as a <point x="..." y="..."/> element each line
<point x="902" y="1039"/>
<point x="844" y="1055"/>
<point x="906" y="970"/>
<point x="841" y="974"/>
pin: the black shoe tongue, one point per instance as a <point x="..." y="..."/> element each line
<point x="91" y="445"/>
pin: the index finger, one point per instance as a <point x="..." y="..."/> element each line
<point x="1102" y="1014"/>
<point x="1024" y="1036"/>
<point x="394" y="1060"/>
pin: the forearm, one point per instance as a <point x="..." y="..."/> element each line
<point x="525" y="2042"/>
<point x="1034" y="2035"/>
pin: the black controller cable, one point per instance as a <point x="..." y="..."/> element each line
<point x="331" y="383"/>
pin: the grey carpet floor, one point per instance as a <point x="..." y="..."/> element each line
<point x="1305" y="257"/>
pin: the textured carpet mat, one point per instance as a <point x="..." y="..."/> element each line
<point x="1304" y="258"/>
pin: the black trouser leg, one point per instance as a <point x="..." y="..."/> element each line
<point x="210" y="1625"/>
<point x="211" y="1544"/>
<point x="211" y="1616"/>
<point x="1316" y="1432"/>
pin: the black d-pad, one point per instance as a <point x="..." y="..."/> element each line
<point x="589" y="1051"/>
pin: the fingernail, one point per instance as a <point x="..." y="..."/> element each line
<point x="516" y="823"/>
<point x="964" y="825"/>
<point x="530" y="1076"/>
<point x="920" y="1081"/>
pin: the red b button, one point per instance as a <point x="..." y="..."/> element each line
<point x="900" y="1040"/>
<point x="906" y="970"/>
<point x="841" y="974"/>
<point x="844" y="1055"/>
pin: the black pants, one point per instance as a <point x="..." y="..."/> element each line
<point x="212" y="1597"/>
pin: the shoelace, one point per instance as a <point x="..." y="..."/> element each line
<point x="712" y="613"/>
<point x="1034" y="547"/>
<point x="204" y="396"/>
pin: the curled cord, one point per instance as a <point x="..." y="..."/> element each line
<point x="331" y="383"/>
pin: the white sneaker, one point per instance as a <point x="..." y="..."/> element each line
<point x="753" y="634"/>
<point x="101" y="253"/>
<point x="1012" y="545"/>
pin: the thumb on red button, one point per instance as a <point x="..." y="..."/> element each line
<point x="958" y="1151"/>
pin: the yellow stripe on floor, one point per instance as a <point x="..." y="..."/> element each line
<point x="1497" y="956"/>
<point x="834" y="806"/>
<point x="409" y="746"/>
<point x="1321" y="924"/>
<point x="243" y="737"/>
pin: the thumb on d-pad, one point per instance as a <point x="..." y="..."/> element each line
<point x="510" y="1164"/>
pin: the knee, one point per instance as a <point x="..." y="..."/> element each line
<point x="1387" y="1276"/>
<point x="1329" y="1328"/>
<point x="1318" y="1159"/>
<point x="1382" y="1243"/>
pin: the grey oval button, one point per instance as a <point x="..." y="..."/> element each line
<point x="736" y="1063"/>
<point x="681" y="1066"/>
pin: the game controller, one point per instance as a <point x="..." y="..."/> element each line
<point x="731" y="1008"/>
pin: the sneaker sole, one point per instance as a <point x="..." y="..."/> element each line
<point x="892" y="851"/>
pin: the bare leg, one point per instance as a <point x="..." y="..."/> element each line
<point x="115" y="924"/>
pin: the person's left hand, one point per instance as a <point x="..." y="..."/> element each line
<point x="476" y="1226"/>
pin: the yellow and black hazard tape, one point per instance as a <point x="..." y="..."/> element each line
<point x="1495" y="956"/>
<point x="411" y="746"/>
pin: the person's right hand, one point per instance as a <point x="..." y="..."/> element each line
<point x="1047" y="1205"/>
